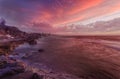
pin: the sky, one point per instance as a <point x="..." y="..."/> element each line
<point x="63" y="16"/>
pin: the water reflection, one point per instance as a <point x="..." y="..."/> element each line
<point x="87" y="58"/>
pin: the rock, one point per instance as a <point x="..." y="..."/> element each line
<point x="32" y="42"/>
<point x="41" y="50"/>
<point x="3" y="64"/>
<point x="24" y="75"/>
<point x="10" y="68"/>
<point x="36" y="76"/>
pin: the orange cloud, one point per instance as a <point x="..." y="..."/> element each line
<point x="93" y="9"/>
<point x="83" y="5"/>
<point x="72" y="11"/>
<point x="65" y="11"/>
<point x="44" y="16"/>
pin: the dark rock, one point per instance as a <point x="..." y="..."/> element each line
<point x="36" y="76"/>
<point x="41" y="50"/>
<point x="8" y="69"/>
<point x="3" y="64"/>
<point x="32" y="42"/>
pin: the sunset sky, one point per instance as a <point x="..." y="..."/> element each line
<point x="63" y="16"/>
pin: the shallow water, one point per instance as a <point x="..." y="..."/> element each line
<point x="81" y="57"/>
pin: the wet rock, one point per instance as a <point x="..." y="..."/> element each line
<point x="10" y="67"/>
<point x="36" y="76"/>
<point x="32" y="42"/>
<point x="41" y="50"/>
<point x="2" y="64"/>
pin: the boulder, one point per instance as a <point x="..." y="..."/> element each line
<point x="41" y="50"/>
<point x="36" y="76"/>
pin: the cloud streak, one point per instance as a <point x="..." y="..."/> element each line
<point x="57" y="12"/>
<point x="104" y="27"/>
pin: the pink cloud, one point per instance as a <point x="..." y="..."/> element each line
<point x="100" y="26"/>
<point x="56" y="12"/>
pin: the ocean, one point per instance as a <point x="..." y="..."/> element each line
<point x="82" y="57"/>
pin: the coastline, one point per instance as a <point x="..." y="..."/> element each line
<point x="28" y="69"/>
<point x="84" y="61"/>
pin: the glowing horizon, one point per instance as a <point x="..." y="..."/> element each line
<point x="55" y="15"/>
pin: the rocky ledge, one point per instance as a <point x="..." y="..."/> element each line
<point x="9" y="67"/>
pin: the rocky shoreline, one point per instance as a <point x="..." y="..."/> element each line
<point x="12" y="67"/>
<point x="21" y="65"/>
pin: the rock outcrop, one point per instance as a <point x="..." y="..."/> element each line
<point x="10" y="67"/>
